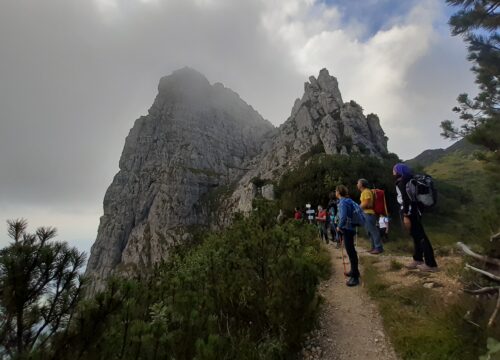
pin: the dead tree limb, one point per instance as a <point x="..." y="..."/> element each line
<point x="494" y="315"/>
<point x="484" y="258"/>
<point x="485" y="273"/>
<point x="495" y="237"/>
<point x="484" y="290"/>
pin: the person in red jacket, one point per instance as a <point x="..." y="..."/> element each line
<point x="321" y="220"/>
<point x="298" y="214"/>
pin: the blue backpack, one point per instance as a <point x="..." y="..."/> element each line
<point x="358" y="215"/>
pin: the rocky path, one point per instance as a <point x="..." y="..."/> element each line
<point x="350" y="326"/>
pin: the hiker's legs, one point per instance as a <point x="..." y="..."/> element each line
<point x="373" y="232"/>
<point x="383" y="234"/>
<point x="322" y="232"/>
<point x="325" y="232"/>
<point x="423" y="247"/>
<point x="331" y="230"/>
<point x="351" y="252"/>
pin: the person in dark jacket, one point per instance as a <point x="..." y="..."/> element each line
<point x="423" y="256"/>
<point x="332" y="213"/>
<point x="346" y="230"/>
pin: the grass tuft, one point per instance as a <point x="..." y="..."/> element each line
<point x="395" y="265"/>
<point x="420" y="325"/>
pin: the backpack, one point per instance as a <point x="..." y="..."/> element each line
<point x="421" y="189"/>
<point x="358" y="215"/>
<point x="379" y="204"/>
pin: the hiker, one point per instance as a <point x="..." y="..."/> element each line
<point x="298" y="214"/>
<point x="332" y="213"/>
<point x="367" y="202"/>
<point x="310" y="213"/>
<point x="321" y="221"/>
<point x="423" y="256"/>
<point x="345" y="228"/>
<point x="383" y="226"/>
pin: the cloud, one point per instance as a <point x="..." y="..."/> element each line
<point x="378" y="71"/>
<point x="75" y="75"/>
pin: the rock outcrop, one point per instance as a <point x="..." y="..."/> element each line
<point x="200" y="143"/>
<point x="320" y="122"/>
<point x="196" y="137"/>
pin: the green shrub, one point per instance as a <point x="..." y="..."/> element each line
<point x="312" y="181"/>
<point x="249" y="292"/>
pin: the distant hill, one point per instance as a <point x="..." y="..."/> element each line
<point x="430" y="156"/>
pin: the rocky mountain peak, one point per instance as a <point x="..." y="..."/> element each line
<point x="196" y="137"/>
<point x="320" y="122"/>
<point x="199" y="139"/>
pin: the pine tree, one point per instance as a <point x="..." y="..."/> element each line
<point x="477" y="22"/>
<point x="40" y="286"/>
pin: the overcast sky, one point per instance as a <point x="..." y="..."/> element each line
<point x="75" y="74"/>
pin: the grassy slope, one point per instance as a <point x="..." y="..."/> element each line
<point x="420" y="325"/>
<point x="465" y="206"/>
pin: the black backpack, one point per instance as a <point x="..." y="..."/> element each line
<point x="421" y="190"/>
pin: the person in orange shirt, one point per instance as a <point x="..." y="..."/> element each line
<point x="367" y="200"/>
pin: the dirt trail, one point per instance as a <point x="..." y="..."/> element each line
<point x="350" y="326"/>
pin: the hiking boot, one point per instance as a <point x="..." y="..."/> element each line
<point x="376" y="251"/>
<point x="413" y="265"/>
<point x="427" y="268"/>
<point x="348" y="273"/>
<point x="352" y="281"/>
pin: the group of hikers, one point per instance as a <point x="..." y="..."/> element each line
<point x="342" y="216"/>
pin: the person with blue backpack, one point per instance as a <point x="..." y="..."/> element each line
<point x="415" y="193"/>
<point x="332" y="221"/>
<point x="349" y="216"/>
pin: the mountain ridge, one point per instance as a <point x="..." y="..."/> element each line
<point x="201" y="141"/>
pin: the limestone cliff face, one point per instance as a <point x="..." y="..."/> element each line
<point x="320" y="121"/>
<point x="201" y="141"/>
<point x="196" y="137"/>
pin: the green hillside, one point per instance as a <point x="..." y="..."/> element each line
<point x="429" y="157"/>
<point x="467" y="209"/>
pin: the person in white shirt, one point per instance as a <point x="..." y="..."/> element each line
<point x="383" y="225"/>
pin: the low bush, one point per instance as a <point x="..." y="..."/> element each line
<point x="249" y="292"/>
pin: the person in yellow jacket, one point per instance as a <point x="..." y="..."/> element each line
<point x="367" y="201"/>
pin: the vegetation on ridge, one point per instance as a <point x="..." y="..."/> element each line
<point x="248" y="292"/>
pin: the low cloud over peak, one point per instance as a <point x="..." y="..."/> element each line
<point x="75" y="75"/>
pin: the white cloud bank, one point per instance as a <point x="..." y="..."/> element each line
<point x="74" y="76"/>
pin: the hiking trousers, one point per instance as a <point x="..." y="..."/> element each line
<point x="373" y="231"/>
<point x="423" y="247"/>
<point x="322" y="227"/>
<point x="351" y="251"/>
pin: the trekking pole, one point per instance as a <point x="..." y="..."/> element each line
<point x="342" y="251"/>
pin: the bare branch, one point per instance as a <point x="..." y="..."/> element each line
<point x="495" y="237"/>
<point x="490" y="275"/>
<point x="484" y="290"/>
<point x="484" y="258"/>
<point x="495" y="313"/>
